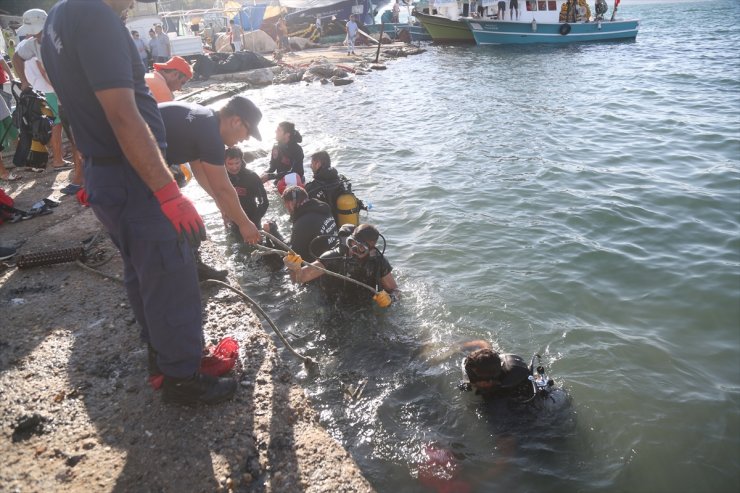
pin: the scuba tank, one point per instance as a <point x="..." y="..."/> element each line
<point x="348" y="209"/>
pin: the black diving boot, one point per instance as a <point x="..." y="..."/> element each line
<point x="198" y="389"/>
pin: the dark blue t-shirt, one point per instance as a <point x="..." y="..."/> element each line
<point x="192" y="133"/>
<point x="86" y="48"/>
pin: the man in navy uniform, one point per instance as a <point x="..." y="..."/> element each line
<point x="98" y="74"/>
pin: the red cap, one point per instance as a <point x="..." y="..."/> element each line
<point x="176" y="63"/>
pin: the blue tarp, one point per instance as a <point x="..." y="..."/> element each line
<point x="250" y="17"/>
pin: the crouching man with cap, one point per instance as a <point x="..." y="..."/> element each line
<point x="168" y="77"/>
<point x="98" y="74"/>
<point x="199" y="136"/>
<point x="356" y="257"/>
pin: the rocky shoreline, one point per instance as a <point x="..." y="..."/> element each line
<point x="77" y="412"/>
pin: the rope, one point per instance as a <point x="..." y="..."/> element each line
<point x="325" y="271"/>
<point x="306" y="359"/>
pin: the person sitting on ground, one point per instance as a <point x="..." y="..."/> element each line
<point x="311" y="219"/>
<point x="248" y="186"/>
<point x="494" y="374"/>
<point x="356" y="257"/>
<point x="287" y="154"/>
<point x="167" y="78"/>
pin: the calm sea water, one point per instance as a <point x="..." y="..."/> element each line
<point x="582" y="202"/>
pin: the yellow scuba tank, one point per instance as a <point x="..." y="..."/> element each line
<point x="348" y="209"/>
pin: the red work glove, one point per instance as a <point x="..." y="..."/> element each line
<point x="181" y="213"/>
<point x="82" y="197"/>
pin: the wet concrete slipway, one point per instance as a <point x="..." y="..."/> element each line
<point x="76" y="411"/>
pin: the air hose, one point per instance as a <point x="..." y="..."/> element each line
<point x="325" y="271"/>
<point x="306" y="360"/>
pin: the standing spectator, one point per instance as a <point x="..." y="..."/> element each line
<point x="30" y="47"/>
<point x="5" y="76"/>
<point x="167" y="78"/>
<point x="282" y="32"/>
<point x="36" y="76"/>
<point x="97" y="72"/>
<point x="142" y="47"/>
<point x="513" y="5"/>
<point x="235" y="35"/>
<point x="351" y="29"/>
<point x="160" y="45"/>
<point x="27" y="56"/>
<point x="6" y="127"/>
<point x="501" y="13"/>
<point x="396" y="12"/>
<point x="318" y="25"/>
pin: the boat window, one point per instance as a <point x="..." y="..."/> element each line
<point x="531" y="5"/>
<point x="541" y="5"/>
<point x="552" y="5"/>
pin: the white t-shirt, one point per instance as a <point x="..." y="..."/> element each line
<point x="29" y="48"/>
<point x="35" y="78"/>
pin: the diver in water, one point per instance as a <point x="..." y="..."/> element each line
<point x="356" y="257"/>
<point x="496" y="375"/>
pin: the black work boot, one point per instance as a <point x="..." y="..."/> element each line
<point x="198" y="389"/>
<point x="208" y="272"/>
<point x="152" y="366"/>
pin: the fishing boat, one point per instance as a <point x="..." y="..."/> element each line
<point x="446" y="27"/>
<point x="554" y="22"/>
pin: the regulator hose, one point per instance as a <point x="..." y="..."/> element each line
<point x="306" y="360"/>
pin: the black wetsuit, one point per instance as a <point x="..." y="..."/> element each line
<point x="311" y="219"/>
<point x="325" y="186"/>
<point x="368" y="271"/>
<point x="252" y="194"/>
<point x="286" y="158"/>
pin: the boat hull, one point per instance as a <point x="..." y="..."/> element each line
<point x="503" y="33"/>
<point x="445" y="30"/>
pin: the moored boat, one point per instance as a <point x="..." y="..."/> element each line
<point x="553" y="21"/>
<point x="446" y="29"/>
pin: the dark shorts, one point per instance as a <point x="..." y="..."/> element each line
<point x="502" y="5"/>
<point x="514" y="4"/>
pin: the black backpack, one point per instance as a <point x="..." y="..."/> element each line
<point x="29" y="116"/>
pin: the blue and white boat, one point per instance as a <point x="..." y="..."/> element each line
<point x="552" y="21"/>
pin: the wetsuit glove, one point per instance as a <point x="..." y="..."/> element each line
<point x="383" y="299"/>
<point x="292" y="262"/>
<point x="181" y="213"/>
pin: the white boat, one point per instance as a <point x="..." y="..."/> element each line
<point x="552" y="21"/>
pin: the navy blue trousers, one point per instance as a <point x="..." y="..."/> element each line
<point x="159" y="271"/>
